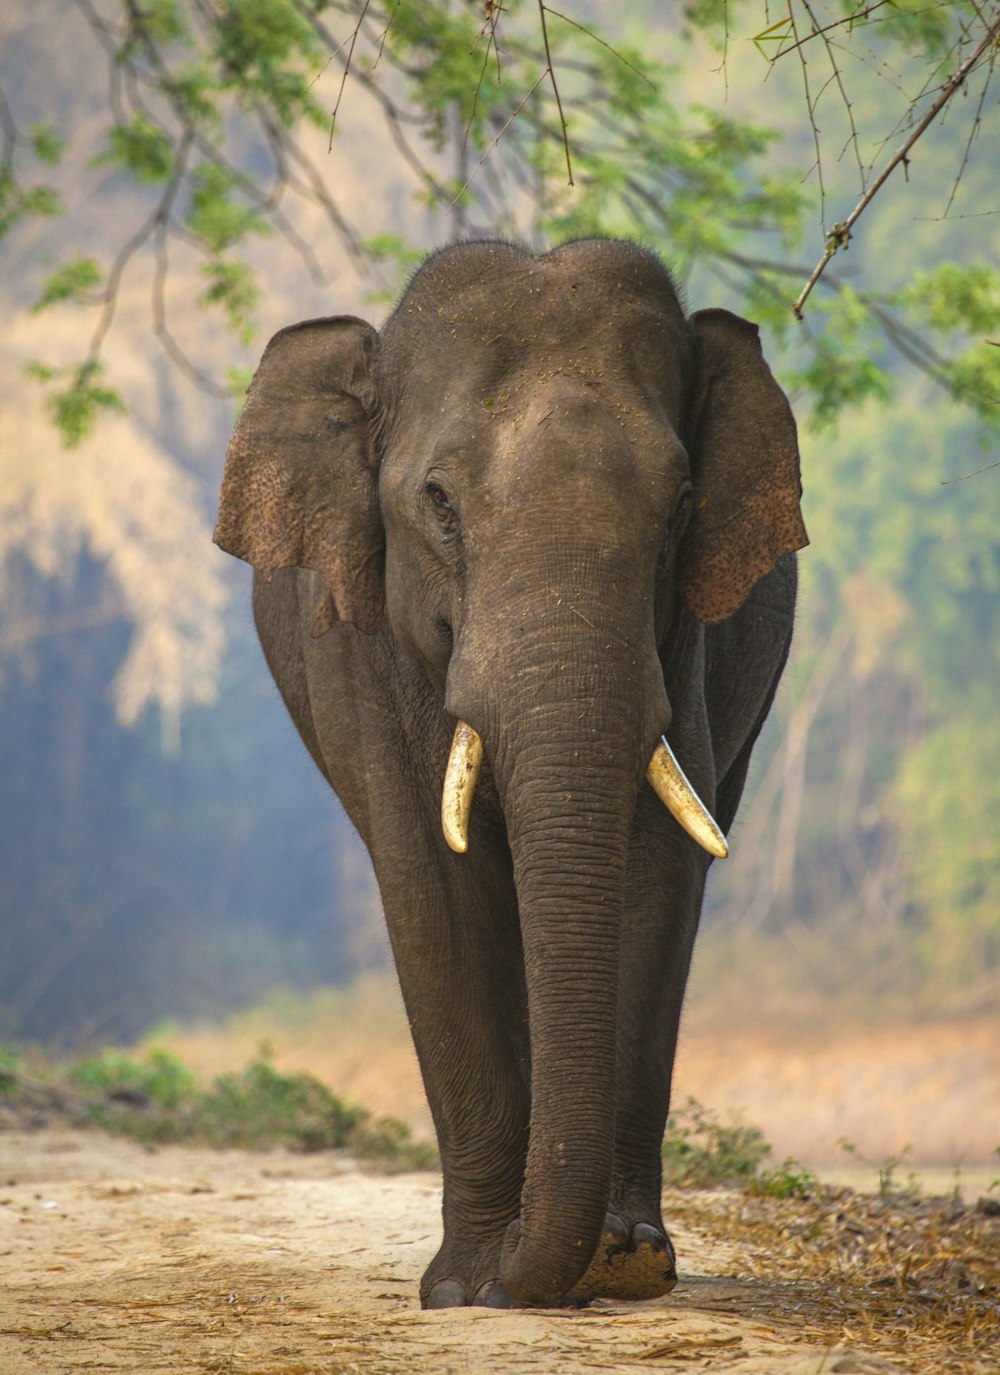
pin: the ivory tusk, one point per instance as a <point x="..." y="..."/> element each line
<point x="682" y="802"/>
<point x="460" y="785"/>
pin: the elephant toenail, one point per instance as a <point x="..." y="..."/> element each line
<point x="645" y="1235"/>
<point x="615" y="1234"/>
<point x="446" y="1294"/>
<point x="492" y="1294"/>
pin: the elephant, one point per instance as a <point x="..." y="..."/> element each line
<point x="524" y="572"/>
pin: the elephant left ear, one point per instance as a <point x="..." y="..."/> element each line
<point x="745" y="461"/>
<point x="300" y="484"/>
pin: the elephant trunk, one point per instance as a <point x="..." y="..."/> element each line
<point x="568" y="796"/>
<point x="567" y="695"/>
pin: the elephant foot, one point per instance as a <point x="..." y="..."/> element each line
<point x="630" y="1263"/>
<point x="450" y="1293"/>
<point x="465" y="1276"/>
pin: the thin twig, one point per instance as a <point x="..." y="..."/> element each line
<point x="161" y="329"/>
<point x="965" y="476"/>
<point x="973" y="132"/>
<point x="840" y="234"/>
<point x="598" y="39"/>
<point x="551" y="74"/>
<point x="499" y="136"/>
<point x="395" y="118"/>
<point x="837" y="76"/>
<point x="811" y="107"/>
<point x="346" y="72"/>
<point x="848" y="20"/>
<point x="492" y="20"/>
<point x="109" y="302"/>
<point x="385" y="34"/>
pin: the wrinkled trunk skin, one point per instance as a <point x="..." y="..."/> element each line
<point x="567" y="757"/>
<point x="570" y="883"/>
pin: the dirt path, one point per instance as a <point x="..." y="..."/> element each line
<point x="114" y="1258"/>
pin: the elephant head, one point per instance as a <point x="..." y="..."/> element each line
<point x="535" y="474"/>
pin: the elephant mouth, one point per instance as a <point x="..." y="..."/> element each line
<point x="665" y="775"/>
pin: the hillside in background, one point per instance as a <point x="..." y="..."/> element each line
<point x="179" y="859"/>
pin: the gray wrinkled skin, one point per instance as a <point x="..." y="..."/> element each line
<point x="545" y="503"/>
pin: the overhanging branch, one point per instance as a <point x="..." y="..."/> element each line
<point x="839" y="236"/>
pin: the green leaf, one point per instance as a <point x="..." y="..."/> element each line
<point x="161" y="21"/>
<point x="844" y="369"/>
<point x="233" y="287"/>
<point x="47" y="144"/>
<point x="18" y="202"/>
<point x="73" y="281"/>
<point x="396" y="251"/>
<point x="955" y="296"/>
<point x="142" y="149"/>
<point x="76" y="408"/>
<point x="194" y="92"/>
<point x="238" y="381"/>
<point x="266" y="50"/>
<point x="215" y="215"/>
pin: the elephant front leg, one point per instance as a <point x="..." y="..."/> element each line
<point x="635" y="1258"/>
<point x="456" y="943"/>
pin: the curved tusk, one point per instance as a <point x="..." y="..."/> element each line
<point x="682" y="802"/>
<point x="459" y="786"/>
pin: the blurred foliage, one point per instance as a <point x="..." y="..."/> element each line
<point x="875" y="805"/>
<point x="136" y="885"/>
<point x="159" y="1077"/>
<point x="154" y="1097"/>
<point x="214" y="112"/>
<point x="700" y="1152"/>
<point x="76" y="408"/>
<point x="947" y="793"/>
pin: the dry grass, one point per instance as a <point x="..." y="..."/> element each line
<point x="914" y="1278"/>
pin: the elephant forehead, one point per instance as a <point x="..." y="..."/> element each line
<point x="494" y="397"/>
<point x="570" y="428"/>
<point x="470" y="349"/>
<point x="559" y="422"/>
<point x="481" y="340"/>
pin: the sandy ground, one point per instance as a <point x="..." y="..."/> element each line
<point x="118" y="1258"/>
<point x="115" y="1257"/>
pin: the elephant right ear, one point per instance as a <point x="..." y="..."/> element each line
<point x="300" y="484"/>
<point x="745" y="461"/>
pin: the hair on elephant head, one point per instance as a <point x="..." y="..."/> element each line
<point x="525" y="572"/>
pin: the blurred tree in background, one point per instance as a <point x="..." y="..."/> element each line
<point x="179" y="178"/>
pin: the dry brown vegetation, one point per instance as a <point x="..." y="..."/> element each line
<point x="913" y="1278"/>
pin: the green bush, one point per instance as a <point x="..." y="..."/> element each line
<point x="160" y="1077"/>
<point x="156" y="1098"/>
<point x="260" y="1106"/>
<point x="700" y="1152"/>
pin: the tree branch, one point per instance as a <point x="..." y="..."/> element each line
<point x="839" y="236"/>
<point x="551" y="74"/>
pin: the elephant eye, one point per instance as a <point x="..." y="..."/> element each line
<point x="438" y="496"/>
<point x="683" y="501"/>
